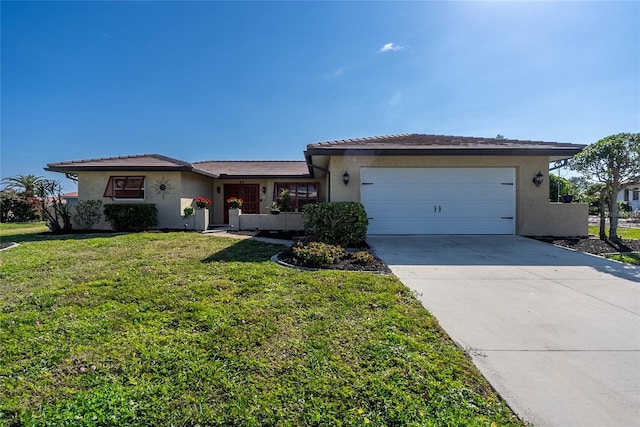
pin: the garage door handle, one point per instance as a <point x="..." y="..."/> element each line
<point x="439" y="208"/>
<point x="506" y="217"/>
<point x="367" y="183"/>
<point x="370" y="217"/>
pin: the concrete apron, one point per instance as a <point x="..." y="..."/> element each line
<point x="556" y="332"/>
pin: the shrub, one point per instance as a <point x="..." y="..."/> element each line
<point x="16" y="208"/>
<point x="285" y="201"/>
<point x="363" y="257"/>
<point x="88" y="213"/>
<point x="343" y="223"/>
<point x="131" y="216"/>
<point x="317" y="253"/>
<point x="53" y="209"/>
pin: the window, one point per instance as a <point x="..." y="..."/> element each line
<point x="626" y="195"/>
<point x="125" y="187"/>
<point x="301" y="193"/>
<point x="636" y="192"/>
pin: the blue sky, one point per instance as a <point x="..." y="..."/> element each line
<point x="244" y="80"/>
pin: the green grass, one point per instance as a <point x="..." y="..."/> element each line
<point x="623" y="232"/>
<point x="11" y="232"/>
<point x="629" y="258"/>
<point x="175" y="329"/>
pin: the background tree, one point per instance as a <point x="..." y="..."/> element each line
<point x="24" y="184"/>
<point x="558" y="186"/>
<point x="610" y="161"/>
<point x="16" y="208"/>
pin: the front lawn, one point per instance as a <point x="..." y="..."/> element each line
<point x="623" y="232"/>
<point x="629" y="258"/>
<point x="188" y="329"/>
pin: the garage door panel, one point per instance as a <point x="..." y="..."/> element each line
<point x="439" y="200"/>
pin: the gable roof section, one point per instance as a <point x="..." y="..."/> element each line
<point x="254" y="169"/>
<point x="430" y="145"/>
<point x="141" y="162"/>
<point x="215" y="169"/>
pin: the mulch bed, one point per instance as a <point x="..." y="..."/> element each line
<point x="594" y="245"/>
<point x="346" y="264"/>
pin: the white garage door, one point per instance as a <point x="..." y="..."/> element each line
<point x="439" y="200"/>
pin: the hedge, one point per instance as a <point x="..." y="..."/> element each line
<point x="131" y="216"/>
<point x="342" y="223"/>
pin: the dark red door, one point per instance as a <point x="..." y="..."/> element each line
<point x="250" y="195"/>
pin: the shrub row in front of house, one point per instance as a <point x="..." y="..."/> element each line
<point x="131" y="216"/>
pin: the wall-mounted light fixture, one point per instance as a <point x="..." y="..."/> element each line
<point x="346" y="178"/>
<point x="218" y="189"/>
<point x="264" y="190"/>
<point x="537" y="180"/>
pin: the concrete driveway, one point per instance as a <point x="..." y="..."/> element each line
<point x="556" y="332"/>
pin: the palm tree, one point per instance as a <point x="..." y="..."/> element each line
<point x="25" y="184"/>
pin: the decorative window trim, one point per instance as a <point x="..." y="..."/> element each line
<point x="125" y="187"/>
<point x="636" y="193"/>
<point x="300" y="192"/>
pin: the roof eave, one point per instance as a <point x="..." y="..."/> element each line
<point x="225" y="176"/>
<point x="443" y="152"/>
<point x="76" y="169"/>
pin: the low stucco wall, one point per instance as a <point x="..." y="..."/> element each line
<point x="566" y="219"/>
<point x="285" y="221"/>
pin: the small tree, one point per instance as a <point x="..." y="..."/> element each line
<point x="285" y="201"/>
<point x="88" y="213"/>
<point x="54" y="211"/>
<point x="610" y="161"/>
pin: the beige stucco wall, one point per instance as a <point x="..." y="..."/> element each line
<point x="567" y="219"/>
<point x="284" y="221"/>
<point x="532" y="203"/>
<point x="91" y="186"/>
<point x="265" y="199"/>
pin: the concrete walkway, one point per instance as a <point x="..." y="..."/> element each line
<point x="556" y="332"/>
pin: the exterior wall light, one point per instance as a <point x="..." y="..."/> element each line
<point x="218" y="189"/>
<point x="345" y="178"/>
<point x="537" y="180"/>
<point x="264" y="190"/>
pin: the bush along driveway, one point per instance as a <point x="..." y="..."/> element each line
<point x="185" y="329"/>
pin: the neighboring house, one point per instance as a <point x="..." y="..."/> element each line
<point x="630" y="192"/>
<point x="409" y="184"/>
<point x="71" y="199"/>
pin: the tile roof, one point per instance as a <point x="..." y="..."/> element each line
<point x="438" y="144"/>
<point x="147" y="162"/>
<point x="262" y="168"/>
<point x="140" y="161"/>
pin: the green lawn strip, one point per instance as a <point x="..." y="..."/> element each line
<point x="185" y="329"/>
<point x="629" y="258"/>
<point x="20" y="232"/>
<point x="623" y="232"/>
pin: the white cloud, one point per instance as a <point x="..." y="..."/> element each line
<point x="395" y="99"/>
<point x="336" y="73"/>
<point x="390" y="47"/>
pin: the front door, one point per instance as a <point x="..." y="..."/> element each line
<point x="250" y="195"/>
